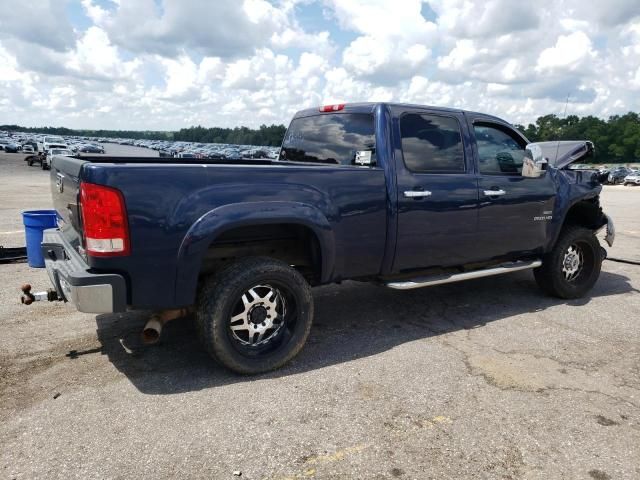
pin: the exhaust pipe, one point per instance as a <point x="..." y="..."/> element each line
<point x="153" y="328"/>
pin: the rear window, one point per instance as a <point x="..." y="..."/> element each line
<point x="331" y="138"/>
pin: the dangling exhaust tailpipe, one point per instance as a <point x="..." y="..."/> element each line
<point x="153" y="328"/>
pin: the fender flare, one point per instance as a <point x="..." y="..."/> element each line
<point x="212" y="224"/>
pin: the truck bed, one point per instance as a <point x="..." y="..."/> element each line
<point x="176" y="207"/>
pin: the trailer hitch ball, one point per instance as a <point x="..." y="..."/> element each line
<point x="27" y="298"/>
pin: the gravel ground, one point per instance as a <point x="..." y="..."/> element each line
<point x="487" y="379"/>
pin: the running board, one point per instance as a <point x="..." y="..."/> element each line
<point x="458" y="277"/>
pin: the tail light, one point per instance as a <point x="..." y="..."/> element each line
<point x="332" y="108"/>
<point x="104" y="219"/>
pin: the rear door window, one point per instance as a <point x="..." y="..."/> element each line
<point x="431" y="143"/>
<point x="330" y="138"/>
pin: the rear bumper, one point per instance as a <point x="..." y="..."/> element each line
<point x="75" y="283"/>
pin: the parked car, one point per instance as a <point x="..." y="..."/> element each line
<point x="617" y="175"/>
<point x="12" y="148"/>
<point x="53" y="141"/>
<point x="633" y="178"/>
<point x="27" y="148"/>
<point x="404" y="196"/>
<point x="45" y="158"/>
<point x="91" y="149"/>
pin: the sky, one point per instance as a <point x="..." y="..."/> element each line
<point x="169" y="64"/>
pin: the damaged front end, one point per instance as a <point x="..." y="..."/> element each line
<point x="578" y="186"/>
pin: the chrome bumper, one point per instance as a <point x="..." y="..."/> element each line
<point x="70" y="275"/>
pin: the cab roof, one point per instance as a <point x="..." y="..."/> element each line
<point x="370" y="107"/>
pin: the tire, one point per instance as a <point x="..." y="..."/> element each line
<point x="559" y="275"/>
<point x="239" y="344"/>
<point x="30" y="162"/>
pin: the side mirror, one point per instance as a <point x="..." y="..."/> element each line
<point x="534" y="164"/>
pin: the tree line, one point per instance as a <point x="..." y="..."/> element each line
<point x="265" y="135"/>
<point x="617" y="139"/>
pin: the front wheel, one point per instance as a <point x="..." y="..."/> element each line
<point x="255" y="315"/>
<point x="573" y="266"/>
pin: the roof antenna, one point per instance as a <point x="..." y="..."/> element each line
<point x="564" y="115"/>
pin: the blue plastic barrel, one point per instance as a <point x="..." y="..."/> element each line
<point x="35" y="222"/>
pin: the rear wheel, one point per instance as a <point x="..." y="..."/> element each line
<point x="573" y="266"/>
<point x="255" y="315"/>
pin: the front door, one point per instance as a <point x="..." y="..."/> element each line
<point x="514" y="211"/>
<point x="437" y="192"/>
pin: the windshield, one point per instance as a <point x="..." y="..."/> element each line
<point x="53" y="140"/>
<point x="330" y="138"/>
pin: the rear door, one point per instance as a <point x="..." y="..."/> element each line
<point x="514" y="210"/>
<point x="437" y="190"/>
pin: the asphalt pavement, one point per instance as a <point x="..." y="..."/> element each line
<point x="487" y="379"/>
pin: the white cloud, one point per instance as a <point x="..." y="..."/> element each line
<point x="41" y="22"/>
<point x="487" y="19"/>
<point x="463" y="51"/>
<point x="223" y="29"/>
<point x="165" y="64"/>
<point x="569" y="52"/>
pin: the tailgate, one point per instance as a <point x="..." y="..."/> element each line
<point x="65" y="184"/>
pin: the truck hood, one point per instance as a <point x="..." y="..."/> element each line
<point x="561" y="154"/>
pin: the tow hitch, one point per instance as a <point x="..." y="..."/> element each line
<point x="28" y="297"/>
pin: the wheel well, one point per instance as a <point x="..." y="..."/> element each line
<point x="586" y="213"/>
<point x="294" y="244"/>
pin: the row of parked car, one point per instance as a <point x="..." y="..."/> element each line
<point x="177" y="149"/>
<point x="38" y="149"/>
<point x="620" y="175"/>
<point x="18" y="142"/>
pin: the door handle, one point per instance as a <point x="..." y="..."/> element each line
<point x="417" y="193"/>
<point x="494" y="193"/>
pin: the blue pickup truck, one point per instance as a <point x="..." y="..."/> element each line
<point x="403" y="195"/>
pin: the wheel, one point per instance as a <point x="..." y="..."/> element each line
<point x="30" y="162"/>
<point x="573" y="266"/>
<point x="255" y="315"/>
